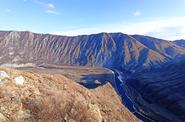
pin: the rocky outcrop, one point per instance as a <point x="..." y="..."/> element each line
<point x="44" y="97"/>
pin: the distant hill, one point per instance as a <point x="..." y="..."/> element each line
<point x="180" y="42"/>
<point x="110" y="50"/>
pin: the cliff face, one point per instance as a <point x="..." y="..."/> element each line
<point x="100" y="50"/>
<point x="43" y="97"/>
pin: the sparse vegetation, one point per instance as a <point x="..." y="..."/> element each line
<point x="54" y="98"/>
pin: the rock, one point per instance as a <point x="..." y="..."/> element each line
<point x="95" y="112"/>
<point x="3" y="75"/>
<point x="97" y="82"/>
<point x="19" y="80"/>
<point x="24" y="114"/>
<point x="3" y="118"/>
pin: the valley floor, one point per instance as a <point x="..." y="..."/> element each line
<point x="88" y="77"/>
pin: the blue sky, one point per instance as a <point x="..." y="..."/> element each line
<point x="159" y="18"/>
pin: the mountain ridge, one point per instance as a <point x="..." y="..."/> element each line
<point x="117" y="51"/>
<point x="109" y="50"/>
<point x="180" y="42"/>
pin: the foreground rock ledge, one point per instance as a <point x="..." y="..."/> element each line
<point x="55" y="98"/>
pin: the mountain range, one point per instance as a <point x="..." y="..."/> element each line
<point x="151" y="68"/>
<point x="110" y="50"/>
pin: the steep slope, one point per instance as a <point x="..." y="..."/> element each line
<point x="163" y="47"/>
<point x="180" y="42"/>
<point x="28" y="96"/>
<point x="159" y="92"/>
<point x="111" y="50"/>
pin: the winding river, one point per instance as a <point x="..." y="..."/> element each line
<point x="119" y="84"/>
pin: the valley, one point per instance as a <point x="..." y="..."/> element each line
<point x="91" y="78"/>
<point x="92" y="61"/>
<point x="130" y="74"/>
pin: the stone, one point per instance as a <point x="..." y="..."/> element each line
<point x="3" y="74"/>
<point x="19" y="80"/>
<point x="3" y="118"/>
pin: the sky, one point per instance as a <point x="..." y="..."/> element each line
<point x="159" y="18"/>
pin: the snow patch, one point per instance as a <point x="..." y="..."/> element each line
<point x="19" y="80"/>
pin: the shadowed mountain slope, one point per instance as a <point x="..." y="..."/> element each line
<point x="160" y="92"/>
<point x="180" y="42"/>
<point x="163" y="47"/>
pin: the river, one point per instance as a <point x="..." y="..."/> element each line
<point x="119" y="83"/>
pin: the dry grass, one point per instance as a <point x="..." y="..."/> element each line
<point x="55" y="98"/>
